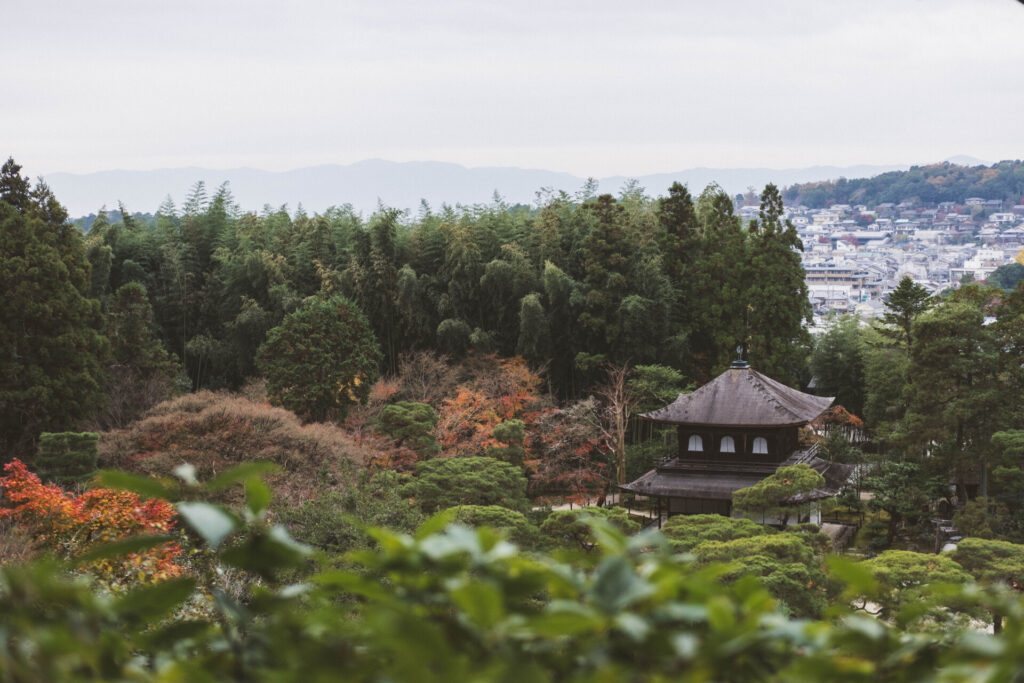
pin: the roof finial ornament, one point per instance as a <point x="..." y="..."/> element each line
<point x="739" y="363"/>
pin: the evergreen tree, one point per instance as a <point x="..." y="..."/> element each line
<point x="607" y="259"/>
<point x="416" y="324"/>
<point x="140" y="373"/>
<point x="534" y="332"/>
<point x="904" y="305"/>
<point x="678" y="237"/>
<point x="383" y="285"/>
<point x="321" y="359"/>
<point x="51" y="368"/>
<point x="562" y="295"/>
<point x="463" y="267"/>
<point x="506" y="280"/>
<point x="956" y="396"/>
<point x="777" y="342"/>
<point x="717" y="282"/>
<point x="838" y="364"/>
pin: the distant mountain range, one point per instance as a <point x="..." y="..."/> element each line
<point x="397" y="184"/>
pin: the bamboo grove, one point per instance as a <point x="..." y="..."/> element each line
<point x="570" y="283"/>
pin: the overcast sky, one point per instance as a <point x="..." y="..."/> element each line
<point x="593" y="88"/>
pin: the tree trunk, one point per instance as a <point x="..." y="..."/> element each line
<point x="890" y="532"/>
<point x="620" y="451"/>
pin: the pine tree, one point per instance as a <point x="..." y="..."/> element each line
<point x="905" y="303"/>
<point x="956" y="396"/>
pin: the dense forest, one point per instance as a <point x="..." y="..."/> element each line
<point x="334" y="445"/>
<point x="569" y="285"/>
<point x="929" y="184"/>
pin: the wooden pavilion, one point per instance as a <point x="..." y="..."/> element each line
<point x="733" y="432"/>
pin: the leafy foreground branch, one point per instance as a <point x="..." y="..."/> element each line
<point x="450" y="604"/>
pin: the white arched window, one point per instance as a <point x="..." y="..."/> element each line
<point x="760" y="446"/>
<point x="728" y="445"/>
<point x="696" y="444"/>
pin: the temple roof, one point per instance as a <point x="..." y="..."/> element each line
<point x="716" y="485"/>
<point x="742" y="397"/>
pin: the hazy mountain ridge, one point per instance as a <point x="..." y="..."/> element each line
<point x="399" y="184"/>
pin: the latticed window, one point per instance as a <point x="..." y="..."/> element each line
<point x="760" y="446"/>
<point x="696" y="444"/>
<point x="728" y="445"/>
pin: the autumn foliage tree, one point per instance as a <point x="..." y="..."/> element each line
<point x="70" y="524"/>
<point x="571" y="452"/>
<point x="498" y="390"/>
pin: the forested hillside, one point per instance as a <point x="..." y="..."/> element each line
<point x="431" y="398"/>
<point x="931" y="184"/>
<point x="569" y="284"/>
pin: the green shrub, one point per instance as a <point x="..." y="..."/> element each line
<point x="66" y="456"/>
<point x="573" y="528"/>
<point x="412" y="425"/>
<point x="448" y="482"/>
<point x="686" y="532"/>
<point x="337" y="520"/>
<point x="515" y="524"/>
<point x="454" y="604"/>
<point x="512" y="433"/>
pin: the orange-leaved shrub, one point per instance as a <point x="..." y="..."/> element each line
<point x="495" y="390"/>
<point x="68" y="524"/>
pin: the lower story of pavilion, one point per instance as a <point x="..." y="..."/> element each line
<point x="684" y="487"/>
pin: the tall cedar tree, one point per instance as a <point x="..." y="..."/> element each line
<point x="777" y="303"/>
<point x="838" y="364"/>
<point x="680" y="247"/>
<point x="717" y="284"/>
<point x="607" y="258"/>
<point x="51" y="368"/>
<point x="956" y="396"/>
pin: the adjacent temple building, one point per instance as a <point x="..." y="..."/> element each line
<point x="733" y="432"/>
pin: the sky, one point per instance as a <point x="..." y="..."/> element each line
<point x="595" y="88"/>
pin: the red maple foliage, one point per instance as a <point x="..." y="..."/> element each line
<point x="67" y="523"/>
<point x="836" y="418"/>
<point x="572" y="455"/>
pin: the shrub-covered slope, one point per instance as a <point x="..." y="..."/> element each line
<point x="214" y="431"/>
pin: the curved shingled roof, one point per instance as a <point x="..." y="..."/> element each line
<point x="742" y="397"/>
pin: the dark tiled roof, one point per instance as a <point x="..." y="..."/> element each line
<point x="742" y="397"/>
<point x="691" y="485"/>
<point x="836" y="475"/>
